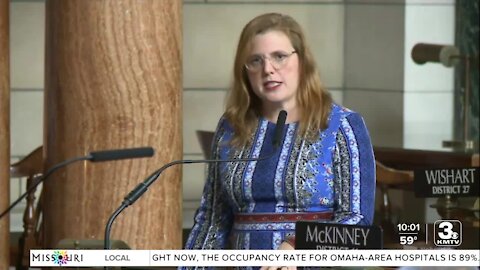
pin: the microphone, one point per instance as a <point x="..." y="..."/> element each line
<point x="128" y="153"/>
<point x="107" y="155"/>
<point x="278" y="132"/>
<point x="141" y="188"/>
<point x="446" y="54"/>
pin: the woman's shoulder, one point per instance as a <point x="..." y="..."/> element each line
<point x="344" y="117"/>
<point x="224" y="125"/>
<point x="341" y="111"/>
<point x="341" y="117"/>
<point x="338" y="113"/>
<point x="224" y="130"/>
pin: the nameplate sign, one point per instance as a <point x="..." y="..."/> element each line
<point x="316" y="235"/>
<point x="458" y="182"/>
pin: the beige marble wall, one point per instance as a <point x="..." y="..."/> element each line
<point x="374" y="67"/>
<point x="430" y="84"/>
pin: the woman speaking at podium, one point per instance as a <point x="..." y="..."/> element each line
<point x="323" y="170"/>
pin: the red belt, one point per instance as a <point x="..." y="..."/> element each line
<point x="282" y="217"/>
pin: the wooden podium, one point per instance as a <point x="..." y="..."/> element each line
<point x="410" y="159"/>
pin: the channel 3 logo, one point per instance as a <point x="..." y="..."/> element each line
<point x="447" y="233"/>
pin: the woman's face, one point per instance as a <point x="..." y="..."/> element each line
<point x="273" y="70"/>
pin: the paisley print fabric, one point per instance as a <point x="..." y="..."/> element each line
<point x="335" y="173"/>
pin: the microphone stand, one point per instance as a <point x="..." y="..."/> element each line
<point x="138" y="191"/>
<point x="39" y="179"/>
<point x="97" y="156"/>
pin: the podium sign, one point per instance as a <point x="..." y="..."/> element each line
<point x="316" y="235"/>
<point x="457" y="182"/>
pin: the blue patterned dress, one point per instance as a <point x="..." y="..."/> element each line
<point x="334" y="174"/>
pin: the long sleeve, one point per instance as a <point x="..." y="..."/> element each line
<point x="354" y="169"/>
<point x="213" y="219"/>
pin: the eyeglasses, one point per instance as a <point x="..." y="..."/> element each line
<point x="277" y="59"/>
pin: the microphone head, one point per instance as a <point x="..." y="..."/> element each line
<point x="278" y="132"/>
<point x="445" y="54"/>
<point x="121" y="154"/>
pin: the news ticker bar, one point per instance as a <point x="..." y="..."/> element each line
<point x="144" y="258"/>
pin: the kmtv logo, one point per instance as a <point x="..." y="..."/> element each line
<point x="447" y="233"/>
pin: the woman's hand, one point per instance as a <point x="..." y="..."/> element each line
<point x="283" y="246"/>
